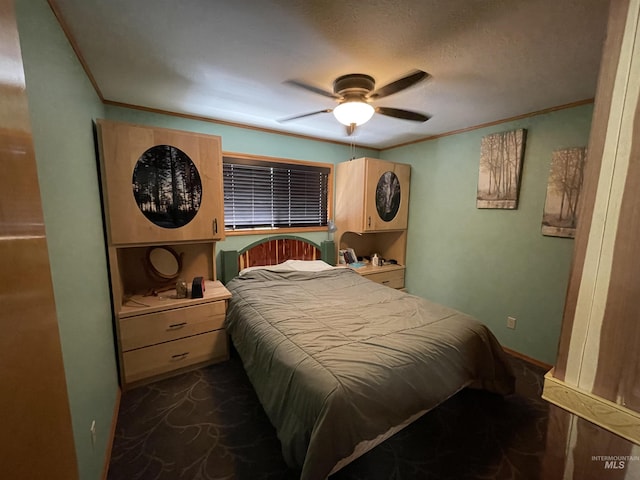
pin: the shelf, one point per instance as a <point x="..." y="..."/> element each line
<point x="141" y="304"/>
<point x="369" y="269"/>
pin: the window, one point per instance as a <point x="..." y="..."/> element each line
<point x="266" y="193"/>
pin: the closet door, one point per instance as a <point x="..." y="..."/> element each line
<point x="36" y="434"/>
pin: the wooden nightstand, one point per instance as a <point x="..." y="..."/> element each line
<point x="162" y="334"/>
<point x="389" y="275"/>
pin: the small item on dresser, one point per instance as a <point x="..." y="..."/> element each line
<point x="181" y="288"/>
<point x="350" y="255"/>
<point x="197" y="288"/>
<point x="376" y="261"/>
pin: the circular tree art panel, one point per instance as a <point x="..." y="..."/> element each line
<point x="167" y="186"/>
<point x="388" y="196"/>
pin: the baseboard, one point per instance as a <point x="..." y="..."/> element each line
<point x="112" y="435"/>
<point x="608" y="415"/>
<point x="526" y="358"/>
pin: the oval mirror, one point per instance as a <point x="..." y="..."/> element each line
<point x="164" y="263"/>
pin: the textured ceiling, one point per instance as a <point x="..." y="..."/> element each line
<point x="228" y="60"/>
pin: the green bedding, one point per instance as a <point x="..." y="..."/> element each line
<point x="337" y="359"/>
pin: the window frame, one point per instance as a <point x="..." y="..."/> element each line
<point x="279" y="161"/>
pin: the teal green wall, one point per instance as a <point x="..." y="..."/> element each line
<point x="62" y="103"/>
<point x="245" y="140"/>
<point x="491" y="263"/>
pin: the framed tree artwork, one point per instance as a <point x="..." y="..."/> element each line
<point x="501" y="157"/>
<point x="564" y="186"/>
<point x="167" y="186"/>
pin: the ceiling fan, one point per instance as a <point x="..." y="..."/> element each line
<point x="355" y="92"/>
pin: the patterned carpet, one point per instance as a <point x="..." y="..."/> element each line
<point x="208" y="424"/>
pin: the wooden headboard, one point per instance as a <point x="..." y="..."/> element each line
<point x="274" y="250"/>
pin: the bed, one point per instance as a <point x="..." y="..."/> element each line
<point x="341" y="363"/>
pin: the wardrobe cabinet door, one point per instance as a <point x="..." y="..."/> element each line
<point x="386" y="204"/>
<point x="160" y="185"/>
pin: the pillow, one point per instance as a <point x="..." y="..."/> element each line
<point x="308" y="265"/>
<point x="292" y="266"/>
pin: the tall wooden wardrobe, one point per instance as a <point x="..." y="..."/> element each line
<point x="372" y="215"/>
<point x="164" y="211"/>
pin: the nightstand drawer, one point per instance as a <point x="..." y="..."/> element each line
<point x="393" y="278"/>
<point x="165" y="357"/>
<point x="154" y="328"/>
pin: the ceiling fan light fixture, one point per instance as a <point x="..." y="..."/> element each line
<point x="355" y="111"/>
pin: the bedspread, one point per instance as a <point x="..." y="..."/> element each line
<point x="337" y="359"/>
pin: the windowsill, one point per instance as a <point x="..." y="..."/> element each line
<point x="271" y="231"/>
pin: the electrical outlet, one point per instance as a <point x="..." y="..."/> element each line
<point x="92" y="429"/>
<point x="511" y="322"/>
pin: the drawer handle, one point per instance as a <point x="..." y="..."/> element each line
<point x="179" y="356"/>
<point x="176" y="326"/>
<point x="386" y="281"/>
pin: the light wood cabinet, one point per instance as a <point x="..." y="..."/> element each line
<point x="138" y="331"/>
<point x="372" y="208"/>
<point x="161" y="334"/>
<point x="389" y="275"/>
<point x="174" y="356"/>
<point x="172" y="197"/>
<point x="162" y="192"/>
<point x="372" y="195"/>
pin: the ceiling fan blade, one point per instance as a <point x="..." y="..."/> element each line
<point x="400" y="84"/>
<point x="313" y="89"/>
<point x="403" y="114"/>
<point x="295" y="117"/>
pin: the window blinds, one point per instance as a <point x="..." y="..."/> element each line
<point x="263" y="194"/>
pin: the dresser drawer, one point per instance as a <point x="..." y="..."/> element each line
<point x="393" y="278"/>
<point x="165" y="357"/>
<point x="154" y="328"/>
